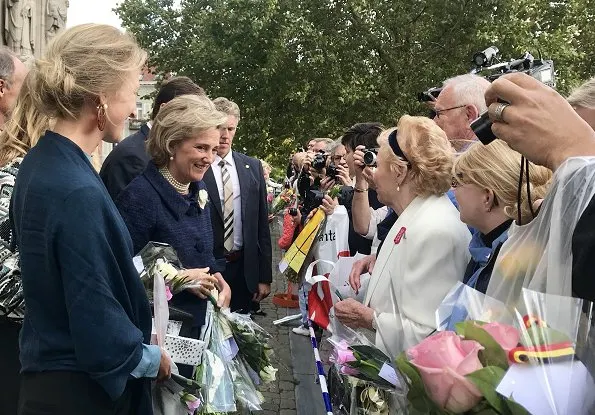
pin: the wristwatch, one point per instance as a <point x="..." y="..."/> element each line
<point x="374" y="324"/>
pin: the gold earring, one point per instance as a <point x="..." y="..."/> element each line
<point x="101" y="116"/>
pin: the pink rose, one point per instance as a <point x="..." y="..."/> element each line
<point x="443" y="360"/>
<point x="506" y="336"/>
<point x="342" y="354"/>
<point x="349" y="371"/>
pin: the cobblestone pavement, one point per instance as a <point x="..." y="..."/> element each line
<point x="279" y="395"/>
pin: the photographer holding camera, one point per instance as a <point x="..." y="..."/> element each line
<point x="366" y="135"/>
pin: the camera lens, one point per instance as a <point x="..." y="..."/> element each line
<point x="370" y="158"/>
<point x="293" y="211"/>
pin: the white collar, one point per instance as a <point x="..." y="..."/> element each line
<point x="228" y="159"/>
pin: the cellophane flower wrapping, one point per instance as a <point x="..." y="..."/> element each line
<point x="531" y="356"/>
<point x="235" y="341"/>
<point x="363" y="378"/>
<point x="177" y="395"/>
<point x="253" y="344"/>
<point x="158" y="259"/>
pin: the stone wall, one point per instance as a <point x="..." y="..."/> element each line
<point x="27" y="26"/>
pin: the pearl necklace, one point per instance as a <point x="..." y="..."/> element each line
<point x="180" y="187"/>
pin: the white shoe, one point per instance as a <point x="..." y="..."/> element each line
<point x="301" y="330"/>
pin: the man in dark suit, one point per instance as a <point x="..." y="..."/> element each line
<point x="242" y="239"/>
<point x="130" y="158"/>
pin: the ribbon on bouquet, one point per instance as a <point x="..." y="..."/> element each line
<point x="373" y="401"/>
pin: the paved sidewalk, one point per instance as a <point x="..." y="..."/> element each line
<point x="295" y="392"/>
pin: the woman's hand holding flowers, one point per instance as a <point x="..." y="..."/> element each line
<point x="200" y="276"/>
<point x="224" y="291"/>
<point x="354" y="314"/>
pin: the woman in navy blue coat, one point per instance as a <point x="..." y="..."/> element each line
<point x="168" y="202"/>
<point x="84" y="345"/>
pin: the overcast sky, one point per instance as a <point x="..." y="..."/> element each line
<point x="92" y="11"/>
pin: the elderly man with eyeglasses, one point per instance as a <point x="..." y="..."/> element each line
<point x="460" y="102"/>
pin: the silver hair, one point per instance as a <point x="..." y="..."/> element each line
<point x="6" y="65"/>
<point x="584" y="95"/>
<point x="327" y="141"/>
<point x="469" y="89"/>
<point x="333" y="147"/>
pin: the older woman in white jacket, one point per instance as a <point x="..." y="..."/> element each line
<point x="426" y="251"/>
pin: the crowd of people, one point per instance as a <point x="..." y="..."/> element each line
<point x="428" y="205"/>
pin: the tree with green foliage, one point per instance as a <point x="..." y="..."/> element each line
<point x="300" y="69"/>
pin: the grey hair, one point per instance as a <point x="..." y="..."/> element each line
<point x="333" y="147"/>
<point x="327" y="141"/>
<point x="584" y="95"/>
<point x="226" y="106"/>
<point x="469" y="89"/>
<point x="7" y="57"/>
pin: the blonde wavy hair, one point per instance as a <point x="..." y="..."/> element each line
<point x="429" y="153"/>
<point x="81" y="63"/>
<point x="497" y="167"/>
<point x="180" y="119"/>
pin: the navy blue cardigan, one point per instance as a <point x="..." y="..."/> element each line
<point x="154" y="211"/>
<point x="87" y="310"/>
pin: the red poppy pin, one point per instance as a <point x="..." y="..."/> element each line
<point x="400" y="235"/>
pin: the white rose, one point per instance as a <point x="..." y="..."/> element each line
<point x="268" y="374"/>
<point x="167" y="270"/>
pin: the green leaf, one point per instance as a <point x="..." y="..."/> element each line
<point x="487" y="380"/>
<point x="493" y="354"/>
<point x="417" y="395"/>
<point x="370" y="352"/>
<point x="515" y="408"/>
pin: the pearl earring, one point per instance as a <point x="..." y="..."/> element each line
<point x="398" y="188"/>
<point x="171" y="158"/>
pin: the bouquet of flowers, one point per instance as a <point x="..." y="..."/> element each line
<point x="177" y="395"/>
<point x="283" y="200"/>
<point x="161" y="260"/>
<point x="537" y="364"/>
<point x="252" y="343"/>
<point x="229" y="381"/>
<point x="363" y="380"/>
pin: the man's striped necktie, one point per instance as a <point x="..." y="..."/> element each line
<point x="227" y="207"/>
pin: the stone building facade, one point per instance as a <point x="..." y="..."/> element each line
<point x="27" y="26"/>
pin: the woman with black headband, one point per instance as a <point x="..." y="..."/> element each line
<point x="425" y="252"/>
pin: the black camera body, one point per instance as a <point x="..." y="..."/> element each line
<point x="293" y="211"/>
<point x="319" y="161"/>
<point x="370" y="156"/>
<point x="540" y="69"/>
<point x="331" y="171"/>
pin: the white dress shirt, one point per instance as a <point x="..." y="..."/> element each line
<point x="238" y="238"/>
